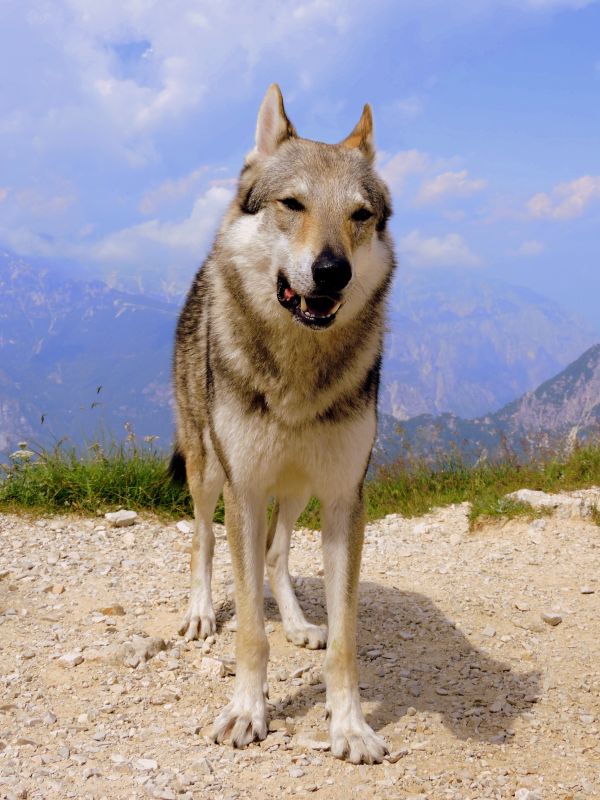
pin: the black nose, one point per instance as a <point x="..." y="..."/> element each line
<point x="330" y="272"/>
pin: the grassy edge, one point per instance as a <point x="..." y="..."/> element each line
<point x="134" y="476"/>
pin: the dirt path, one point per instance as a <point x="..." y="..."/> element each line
<point x="475" y="694"/>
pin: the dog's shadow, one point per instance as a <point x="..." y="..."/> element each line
<point x="411" y="654"/>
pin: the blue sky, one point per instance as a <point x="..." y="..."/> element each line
<point x="123" y="126"/>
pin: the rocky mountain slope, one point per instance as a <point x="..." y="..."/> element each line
<point x="561" y="411"/>
<point x="61" y="339"/>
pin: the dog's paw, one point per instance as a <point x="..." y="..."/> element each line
<point x="243" y="722"/>
<point x="312" y="636"/>
<point x="198" y="626"/>
<point x="357" y="744"/>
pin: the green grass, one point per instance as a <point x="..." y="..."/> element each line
<point x="133" y="475"/>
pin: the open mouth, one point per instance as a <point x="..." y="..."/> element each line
<point x="315" y="311"/>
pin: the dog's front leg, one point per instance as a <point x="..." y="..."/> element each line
<point x="343" y="533"/>
<point x="245" y="717"/>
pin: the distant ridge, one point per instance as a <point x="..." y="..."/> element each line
<point x="562" y="411"/>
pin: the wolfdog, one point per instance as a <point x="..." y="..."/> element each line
<point x="276" y="369"/>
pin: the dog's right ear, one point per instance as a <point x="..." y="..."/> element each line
<point x="272" y="126"/>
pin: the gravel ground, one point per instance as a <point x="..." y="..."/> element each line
<point x="479" y="663"/>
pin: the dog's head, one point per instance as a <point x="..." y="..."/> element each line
<point x="311" y="220"/>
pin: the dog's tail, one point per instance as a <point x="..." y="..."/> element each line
<point x="176" y="468"/>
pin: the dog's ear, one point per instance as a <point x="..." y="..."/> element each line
<point x="272" y="126"/>
<point x="362" y="135"/>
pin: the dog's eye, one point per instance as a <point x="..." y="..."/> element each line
<point x="362" y="215"/>
<point x="292" y="204"/>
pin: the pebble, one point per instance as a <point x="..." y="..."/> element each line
<point x="213" y="667"/>
<point x="140" y="649"/>
<point x="122" y="518"/>
<point x="527" y="794"/>
<point x="144" y="764"/>
<point x="115" y="610"/>
<point x="311" y="741"/>
<point x="296" y="772"/>
<point x="587" y="590"/>
<point x="69" y="660"/>
<point x="551" y="618"/>
<point x="184" y="527"/>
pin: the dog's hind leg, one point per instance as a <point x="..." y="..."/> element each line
<point x="297" y="629"/>
<point x="343" y="533"/>
<point x="245" y="717"/>
<point x="205" y="480"/>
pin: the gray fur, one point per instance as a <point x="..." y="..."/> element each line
<point x="272" y="407"/>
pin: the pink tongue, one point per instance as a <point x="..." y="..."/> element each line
<point x="288" y="293"/>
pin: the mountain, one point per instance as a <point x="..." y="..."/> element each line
<point x="61" y="339"/>
<point x="561" y="411"/>
<point x="457" y="344"/>
<point x="468" y="345"/>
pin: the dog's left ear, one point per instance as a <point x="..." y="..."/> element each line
<point x="362" y="135"/>
<point x="272" y="126"/>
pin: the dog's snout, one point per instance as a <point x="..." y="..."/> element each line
<point x="331" y="273"/>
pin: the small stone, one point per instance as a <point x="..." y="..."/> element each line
<point x="489" y="631"/>
<point x="91" y="772"/>
<point x="58" y="588"/>
<point x="587" y="590"/>
<point x="27" y="654"/>
<point x="52" y="558"/>
<point x="129" y="539"/>
<point x="551" y="618"/>
<point x="213" y="667"/>
<point x="139" y="650"/>
<point x="63" y="751"/>
<point x="121" y="519"/>
<point x="49" y="718"/>
<point x="587" y="719"/>
<point x="144" y="764"/>
<point x="116" y="610"/>
<point x="69" y="660"/>
<point x="311" y="741"/>
<point x="527" y="794"/>
<point x="296" y="772"/>
<point x="521" y="605"/>
<point x="184" y="527"/>
<point x="394" y="757"/>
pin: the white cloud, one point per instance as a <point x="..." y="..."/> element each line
<point x="146" y="246"/>
<point x="171" y="190"/>
<point x="532" y="247"/>
<point x="449" y="184"/>
<point x="408" y="107"/>
<point x="567" y="200"/>
<point x="450" y="250"/>
<point x="396" y="169"/>
<point x="145" y="243"/>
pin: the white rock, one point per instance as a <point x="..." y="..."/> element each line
<point x="296" y="772"/>
<point x="184" y="527"/>
<point x="121" y="519"/>
<point x="563" y="504"/>
<point x="311" y="741"/>
<point x="551" y="618"/>
<point x="139" y="649"/>
<point x="144" y="764"/>
<point x="212" y="666"/>
<point x="527" y="794"/>
<point x="70" y="659"/>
